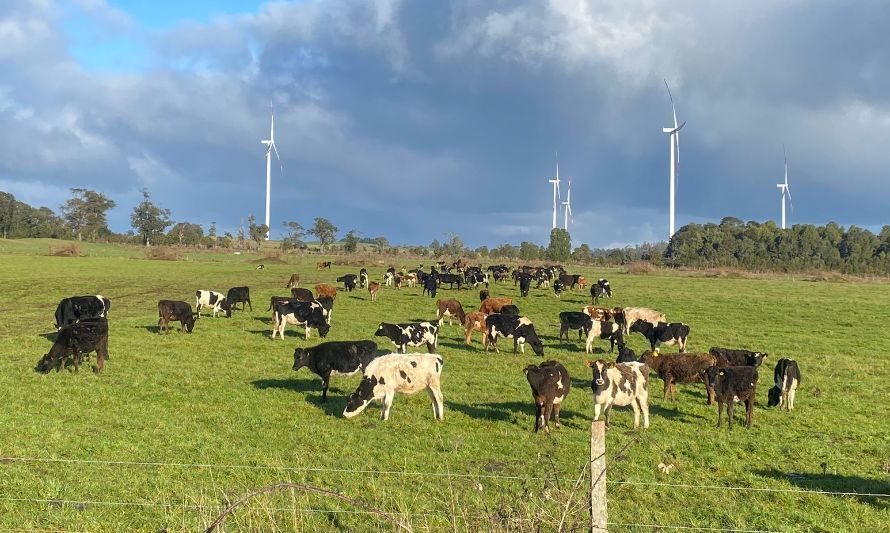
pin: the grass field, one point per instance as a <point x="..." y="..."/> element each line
<point x="226" y="396"/>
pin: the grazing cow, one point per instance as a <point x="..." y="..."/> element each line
<point x="238" y="295"/>
<point x="525" y="283"/>
<point x="601" y="289"/>
<point x="573" y="320"/>
<point x="430" y="284"/>
<point x="348" y="281"/>
<point x="475" y="321"/>
<point x="483" y="294"/>
<point x="680" y="368"/>
<point x="632" y="314"/>
<point x="301" y="294"/>
<point x="338" y="357"/>
<point x="786" y="378"/>
<point x="76" y="308"/>
<point x="569" y="280"/>
<point x="509" y="310"/>
<point x="323" y="289"/>
<point x="373" y="288"/>
<point x="76" y="341"/>
<point x="620" y="384"/>
<point x="494" y="305"/>
<point x="731" y="357"/>
<point x="582" y="282"/>
<point x="731" y="385"/>
<point x="411" y="334"/>
<point x="515" y="327"/>
<point x="557" y="288"/>
<point x="452" y="309"/>
<point x="404" y="373"/>
<point x="662" y="333"/>
<point x="363" y="277"/>
<point x="172" y="310"/>
<point x="307" y="314"/>
<point x="389" y="279"/>
<point x="477" y="278"/>
<point x="214" y="300"/>
<point x="550" y="383"/>
<point x="451" y="279"/>
<point x="321" y="265"/>
<point x="626" y="355"/>
<point x="603" y="330"/>
<point x="260" y="266"/>
<point x="293" y="282"/>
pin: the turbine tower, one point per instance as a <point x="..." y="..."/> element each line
<point x="270" y="143"/>
<point x="674" y="133"/>
<point x="556" y="197"/>
<point x="785" y="189"/>
<point x="567" y="210"/>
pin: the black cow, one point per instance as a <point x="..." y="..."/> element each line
<point x="308" y="314"/>
<point x="172" y="311"/>
<point x="451" y="279"/>
<point x="662" y="333"/>
<point x="76" y="341"/>
<point x="338" y="357"/>
<point x="550" y="383"/>
<point x="411" y="334"/>
<point x="731" y="385"/>
<point x="626" y="355"/>
<point x="430" y="284"/>
<point x="348" y="281"/>
<point x="77" y="308"/>
<point x="569" y="280"/>
<point x="301" y="294"/>
<point x="600" y="289"/>
<point x="525" y="281"/>
<point x="574" y="320"/>
<point x="239" y="295"/>
<point x="786" y="379"/>
<point x="731" y="357"/>
<point x="520" y="329"/>
<point x="509" y="310"/>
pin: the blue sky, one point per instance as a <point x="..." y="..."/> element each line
<point x="416" y="119"/>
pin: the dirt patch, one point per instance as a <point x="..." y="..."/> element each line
<point x="66" y="250"/>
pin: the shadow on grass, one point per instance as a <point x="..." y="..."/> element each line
<point x="837" y="483"/>
<point x="511" y="411"/>
<point x="312" y="390"/>
<point x="263" y="319"/>
<point x="50" y="336"/>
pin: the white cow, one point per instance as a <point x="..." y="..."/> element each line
<point x="620" y="384"/>
<point x="404" y="373"/>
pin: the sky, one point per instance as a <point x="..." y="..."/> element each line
<point x="414" y="120"/>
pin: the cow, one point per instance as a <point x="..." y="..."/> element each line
<point x="557" y="288"/>
<point x="328" y="303"/>
<point x="430" y="284"/>
<point x="524" y="285"/>
<point x="786" y="379"/>
<point x="172" y="310"/>
<point x="732" y="357"/>
<point x="515" y="327"/>
<point x="307" y="314"/>
<point x="214" y="300"/>
<point x="483" y="294"/>
<point x="477" y="278"/>
<point x="475" y="321"/>
<point x="632" y="314"/>
<point x="323" y="289"/>
<point x="731" y="385"/>
<point x="626" y="355"/>
<point x="452" y="309"/>
<point x="321" y="265"/>
<point x="620" y="384"/>
<point x="238" y="295"/>
<point x="301" y="294"/>
<point x="373" y="289"/>
<point x="76" y="341"/>
<point x="261" y="266"/>
<point x="411" y="334"/>
<point x="602" y="313"/>
<point x="582" y="282"/>
<point x="348" y="281"/>
<point x="410" y="279"/>
<point x="494" y="305"/>
<point x="76" y="308"/>
<point x="509" y="310"/>
<point x="662" y="333"/>
<point x="337" y="357"/>
<point x="363" y="278"/>
<point x="680" y="368"/>
<point x="569" y="280"/>
<point x="451" y="279"/>
<point x="600" y="289"/>
<point x="389" y="279"/>
<point x="573" y="320"/>
<point x="293" y="282"/>
<point x="603" y="330"/>
<point x="550" y="383"/>
<point x="404" y="373"/>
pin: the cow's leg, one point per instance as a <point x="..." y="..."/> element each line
<point x="749" y="412"/>
<point x="667" y="387"/>
<point x="644" y="406"/>
<point x="636" y="413"/>
<point x="76" y="359"/>
<point x="307" y="329"/>
<point x="430" y="347"/>
<point x="730" y="411"/>
<point x="719" y="412"/>
<point x="606" y="413"/>
<point x="556" y="408"/>
<point x="673" y="391"/>
<point x="248" y="303"/>
<point x="101" y="355"/>
<point x="325" y="381"/>
<point x="597" y="409"/>
<point x="548" y="412"/>
<point x="790" y="401"/>
<point x="387" y="404"/>
<point x="434" y="400"/>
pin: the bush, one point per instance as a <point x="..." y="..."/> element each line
<point x="66" y="250"/>
<point x="163" y="253"/>
<point x="641" y="267"/>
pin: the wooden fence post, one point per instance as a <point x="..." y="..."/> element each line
<point x="598" y="517"/>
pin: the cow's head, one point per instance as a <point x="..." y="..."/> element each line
<point x="45" y="364"/>
<point x="756" y="359"/>
<point x="188" y="322"/>
<point x="323" y="329"/>
<point x="226" y="306"/>
<point x="381" y="330"/>
<point x="531" y="338"/>
<point x="774" y="397"/>
<point x="362" y="396"/>
<point x="625" y="354"/>
<point x="640" y="326"/>
<point x="301" y="358"/>
<point x="711" y="375"/>
<point x="600" y="376"/>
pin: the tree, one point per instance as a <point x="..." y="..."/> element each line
<point x="350" y="244"/>
<point x="257" y="232"/>
<point x="324" y="231"/>
<point x="583" y="254"/>
<point x="148" y="219"/>
<point x="85" y="212"/>
<point x="454" y="247"/>
<point x="560" y="248"/>
<point x="381" y="243"/>
<point x="436" y="248"/>
<point x="186" y="234"/>
<point x="529" y="251"/>
<point x="295" y="234"/>
<point x="211" y="233"/>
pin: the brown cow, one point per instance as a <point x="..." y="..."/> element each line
<point x="582" y="282"/>
<point x="293" y="282"/>
<point x="494" y="305"/>
<point x="321" y="265"/>
<point x="323" y="289"/>
<point x="475" y="322"/>
<point x="373" y="287"/>
<point x="452" y="309"/>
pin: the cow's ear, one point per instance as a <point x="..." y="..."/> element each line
<point x="588" y="363"/>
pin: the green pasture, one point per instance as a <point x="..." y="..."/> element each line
<point x="179" y="425"/>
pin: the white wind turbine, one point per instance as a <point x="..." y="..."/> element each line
<point x="675" y="155"/>
<point x="556" y="196"/>
<point x="567" y="210"/>
<point x="270" y="143"/>
<point x="785" y="189"/>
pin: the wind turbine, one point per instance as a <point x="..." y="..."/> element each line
<point x="270" y="143"/>
<point x="556" y="197"/>
<point x="674" y="133"/>
<point x="567" y="210"/>
<point x="785" y="189"/>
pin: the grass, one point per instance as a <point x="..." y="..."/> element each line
<point x="225" y="395"/>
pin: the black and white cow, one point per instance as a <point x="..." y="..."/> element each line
<point x="403" y="373"/>
<point x="363" y="278"/>
<point x="515" y="327"/>
<point x="603" y="330"/>
<point x="574" y="320"/>
<point x="601" y="289"/>
<point x="411" y="334"/>
<point x="308" y="314"/>
<point x="525" y="282"/>
<point x="238" y="295"/>
<point x="620" y="384"/>
<point x="787" y="378"/>
<point x="214" y="300"/>
<point x="328" y="303"/>
<point x="172" y="311"/>
<point x="550" y="383"/>
<point x="76" y="308"/>
<point x="348" y="281"/>
<point x="662" y="333"/>
<point x="557" y="288"/>
<point x="337" y="357"/>
<point x="477" y="278"/>
<point x="76" y="341"/>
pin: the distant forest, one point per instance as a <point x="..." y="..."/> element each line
<point x="731" y="243"/>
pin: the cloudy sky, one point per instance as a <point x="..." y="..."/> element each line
<point x="413" y="119"/>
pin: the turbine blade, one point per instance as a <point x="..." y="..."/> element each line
<point x="787" y="190"/>
<point x="272" y="145"/>
<point x="673" y="108"/>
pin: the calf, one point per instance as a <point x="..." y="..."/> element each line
<point x="76" y="308"/>
<point x="662" y="333"/>
<point x="451" y="279"/>
<point x="731" y="385"/>
<point x="626" y="355"/>
<point x="550" y="383"/>
<point x="293" y="282"/>
<point x="404" y="373"/>
<point x="520" y="329"/>
<point x="786" y="378"/>
<point x="172" y="310"/>
<point x="301" y="294"/>
<point x="525" y="282"/>
<point x="557" y="288"/>
<point x="214" y="300"/>
<point x="411" y="334"/>
<point x="632" y="314"/>
<point x="373" y="289"/>
<point x="569" y="280"/>
<point x="238" y="295"/>
<point x="452" y="309"/>
<point x="322" y="265"/>
<point x="475" y="321"/>
<point x="323" y="289"/>
<point x="680" y="368"/>
<point x="348" y="282"/>
<point x="307" y="314"/>
<point x="363" y="277"/>
<point x="573" y="320"/>
<point x="603" y="330"/>
<point x="620" y="384"/>
<point x="731" y="357"/>
<point x="601" y="289"/>
<point x="483" y="294"/>
<point x="76" y="341"/>
<point x="494" y="305"/>
<point x="389" y="278"/>
<point x="582" y="282"/>
<point x="430" y="284"/>
<point x="338" y="357"/>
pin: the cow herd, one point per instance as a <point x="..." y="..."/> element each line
<point x="729" y="376"/>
